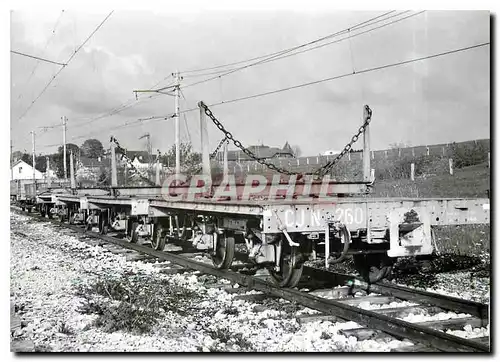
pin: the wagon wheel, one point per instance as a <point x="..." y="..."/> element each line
<point x="133" y="236"/>
<point x="223" y="254"/>
<point x="158" y="240"/>
<point x="290" y="269"/>
<point x="47" y="211"/>
<point x="373" y="267"/>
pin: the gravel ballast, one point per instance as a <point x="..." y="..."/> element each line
<point x="72" y="296"/>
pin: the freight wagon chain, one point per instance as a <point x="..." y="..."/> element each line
<point x="320" y="172"/>
<point x="129" y="161"/>
<point x="373" y="319"/>
<point x="213" y="154"/>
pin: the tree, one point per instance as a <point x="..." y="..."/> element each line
<point x="69" y="147"/>
<point x="190" y="160"/>
<point x="27" y="158"/>
<point x="92" y="148"/>
<point x="297" y="152"/>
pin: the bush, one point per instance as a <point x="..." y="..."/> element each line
<point x="133" y="303"/>
<point x="468" y="154"/>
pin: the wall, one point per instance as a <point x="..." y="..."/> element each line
<point x="26" y="172"/>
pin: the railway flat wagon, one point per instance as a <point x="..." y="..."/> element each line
<point x="279" y="224"/>
<point x="25" y="193"/>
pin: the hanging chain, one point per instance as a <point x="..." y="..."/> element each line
<point x="326" y="168"/>
<point x="129" y="162"/>
<point x="319" y="172"/>
<point x="238" y="144"/>
<point x="213" y="154"/>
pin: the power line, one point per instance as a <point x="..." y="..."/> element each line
<point x="271" y="54"/>
<point x="125" y="105"/>
<point x="42" y="59"/>
<point x="286" y="53"/>
<point x="367" y="70"/>
<point x="43" y="52"/>
<point x="350" y="36"/>
<point x="67" y="62"/>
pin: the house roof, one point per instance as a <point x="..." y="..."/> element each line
<point x="23" y="163"/>
<point x="141" y="155"/>
<point x="261" y="151"/>
<point x="94" y="162"/>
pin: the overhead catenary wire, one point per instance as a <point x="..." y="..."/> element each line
<point x="38" y="58"/>
<point x="362" y="71"/>
<point x="43" y="52"/>
<point x="288" y="52"/>
<point x="361" y="25"/>
<point x="366" y="70"/>
<point x="271" y="54"/>
<point x="67" y="62"/>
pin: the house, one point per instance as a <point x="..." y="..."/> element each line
<point x="20" y="170"/>
<point x="90" y="168"/>
<point x="139" y="159"/>
<point x="261" y="151"/>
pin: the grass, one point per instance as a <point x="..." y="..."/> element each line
<point x="133" y="303"/>
<point x="471" y="181"/>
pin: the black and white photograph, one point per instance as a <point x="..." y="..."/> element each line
<point x="223" y="179"/>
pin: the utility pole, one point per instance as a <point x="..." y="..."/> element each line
<point x="366" y="149"/>
<point x="205" y="153"/>
<point x="33" y="141"/>
<point x="114" y="178"/>
<point x="177" y="127"/>
<point x="72" y="171"/>
<point x="149" y="150"/>
<point x="64" y="119"/>
<point x="12" y="162"/>
<point x="47" y="172"/>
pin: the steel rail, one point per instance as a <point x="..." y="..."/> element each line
<point x="476" y="309"/>
<point x="392" y="326"/>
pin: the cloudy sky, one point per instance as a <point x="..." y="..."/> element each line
<point x="437" y="100"/>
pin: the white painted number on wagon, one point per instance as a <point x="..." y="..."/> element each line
<point x="349" y="216"/>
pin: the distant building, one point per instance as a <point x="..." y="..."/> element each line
<point x="20" y="170"/>
<point x="90" y="168"/>
<point x="261" y="151"/>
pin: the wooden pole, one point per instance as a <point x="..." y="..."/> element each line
<point x="204" y="144"/>
<point x="114" y="178"/>
<point x="71" y="171"/>
<point x="47" y="172"/>
<point x="158" y="171"/>
<point x="450" y="163"/>
<point x="366" y="148"/>
<point x="177" y="127"/>
<point x="226" y="164"/>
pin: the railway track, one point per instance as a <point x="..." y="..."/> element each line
<point x="426" y="335"/>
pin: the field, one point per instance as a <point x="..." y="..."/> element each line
<point x="470" y="181"/>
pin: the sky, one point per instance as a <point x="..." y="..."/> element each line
<point x="438" y="100"/>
